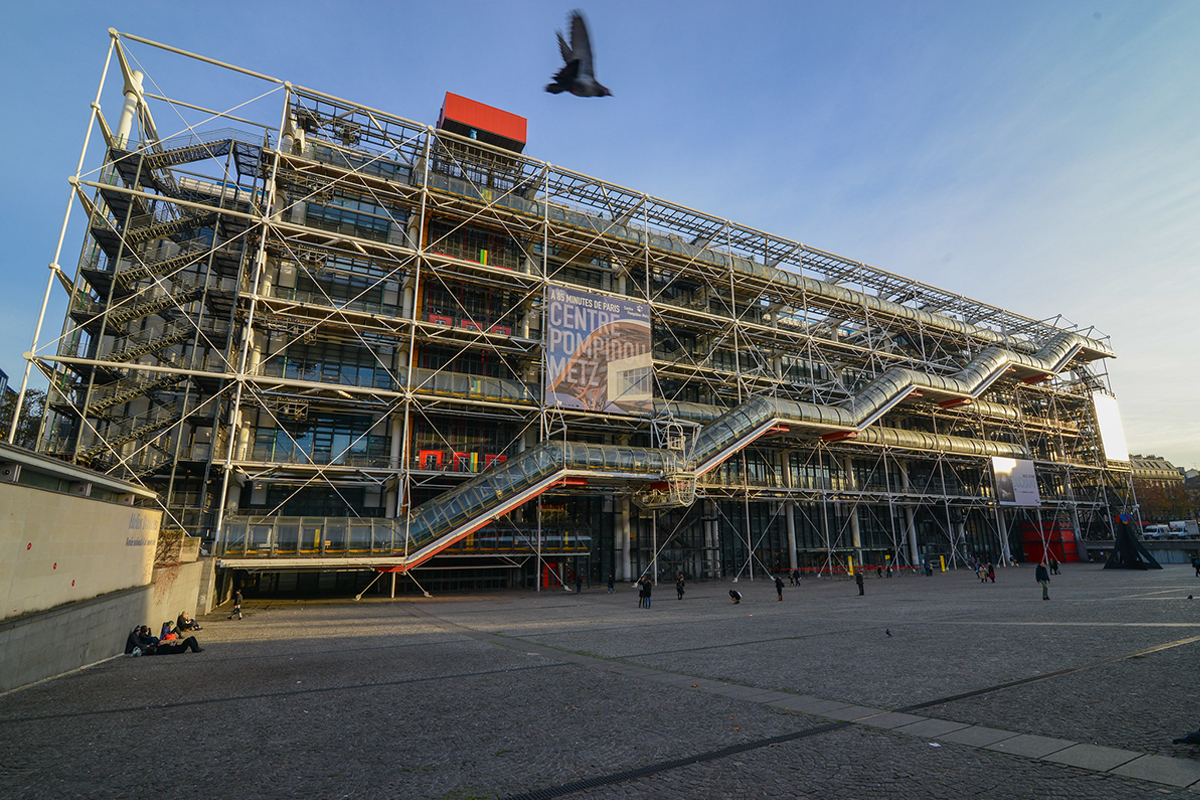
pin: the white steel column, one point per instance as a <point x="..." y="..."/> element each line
<point x="397" y="438"/>
<point x="910" y="527"/>
<point x="55" y="269"/>
<point x="789" y="510"/>
<point x="133" y="98"/>
<point x="855" y="535"/>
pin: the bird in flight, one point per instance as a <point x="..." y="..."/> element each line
<point x="578" y="75"/>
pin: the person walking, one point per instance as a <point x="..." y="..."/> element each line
<point x="796" y="577"/>
<point x="679" y="586"/>
<point x="610" y="583"/>
<point x="578" y="582"/>
<point x="1053" y="565"/>
<point x="858" y="578"/>
<point x="237" y="604"/>
<point x="1043" y="577"/>
<point x="641" y="592"/>
<point x="779" y="587"/>
<point x="649" y="591"/>
<point x="1196" y="565"/>
<point x="991" y="572"/>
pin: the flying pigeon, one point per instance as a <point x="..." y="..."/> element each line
<point x="578" y="76"/>
<point x="1188" y="738"/>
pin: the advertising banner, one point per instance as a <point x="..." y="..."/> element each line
<point x="598" y="352"/>
<point x="1016" y="482"/>
<point x="1112" y="432"/>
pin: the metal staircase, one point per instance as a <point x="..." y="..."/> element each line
<point x="125" y="390"/>
<point x="124" y="314"/>
<point x="152" y="341"/>
<point x="137" y="428"/>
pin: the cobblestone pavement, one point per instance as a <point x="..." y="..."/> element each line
<point x="523" y="694"/>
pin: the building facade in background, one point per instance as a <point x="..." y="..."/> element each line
<point x="332" y="338"/>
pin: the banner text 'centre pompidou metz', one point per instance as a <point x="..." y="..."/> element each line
<point x="598" y="353"/>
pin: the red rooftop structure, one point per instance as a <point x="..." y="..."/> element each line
<point x="482" y="122"/>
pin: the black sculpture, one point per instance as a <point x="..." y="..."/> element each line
<point x="1128" y="551"/>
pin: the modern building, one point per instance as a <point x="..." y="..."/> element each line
<point x="334" y="339"/>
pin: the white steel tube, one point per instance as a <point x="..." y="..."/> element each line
<point x="62" y="235"/>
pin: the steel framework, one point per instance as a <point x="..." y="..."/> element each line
<point x="311" y="325"/>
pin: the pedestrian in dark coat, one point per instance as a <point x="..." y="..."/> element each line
<point x="1043" y="577"/>
<point x="679" y="586"/>
<point x="779" y="587"/>
<point x="237" y="604"/>
<point x="991" y="573"/>
<point x="641" y="592"/>
<point x="649" y="591"/>
<point x="610" y="583"/>
<point x="858" y="578"/>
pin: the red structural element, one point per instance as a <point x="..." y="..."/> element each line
<point x="482" y="122"/>
<point x="573" y="481"/>
<point x="777" y="429"/>
<point x="430" y="459"/>
<point x="489" y="459"/>
<point x="838" y="436"/>
<point x="504" y="329"/>
<point x="961" y="401"/>
<point x="1059" y="542"/>
<point x="442" y="319"/>
<point x="1035" y="379"/>
<point x="916" y="393"/>
<point x="471" y="326"/>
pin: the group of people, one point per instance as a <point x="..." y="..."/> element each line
<point x="985" y="572"/>
<point x="141" y="642"/>
<point x="645" y="591"/>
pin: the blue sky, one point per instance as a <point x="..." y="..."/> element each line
<point x="1039" y="156"/>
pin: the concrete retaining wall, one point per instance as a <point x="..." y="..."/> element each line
<point x="60" y="548"/>
<point x="48" y="643"/>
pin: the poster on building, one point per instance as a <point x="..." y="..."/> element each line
<point x="598" y="353"/>
<point x="1016" y="482"/>
<point x="1112" y="432"/>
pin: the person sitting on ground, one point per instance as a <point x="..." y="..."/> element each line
<point x="176" y="646"/>
<point x="140" y="641"/>
<point x="166" y="633"/>
<point x="186" y="623"/>
<point x="735" y="595"/>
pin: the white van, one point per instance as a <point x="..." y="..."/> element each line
<point x="1184" y="528"/>
<point x="1155" y="531"/>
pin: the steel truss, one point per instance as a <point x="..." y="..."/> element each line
<point x="302" y="306"/>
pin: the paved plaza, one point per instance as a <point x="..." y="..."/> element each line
<point x="981" y="690"/>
